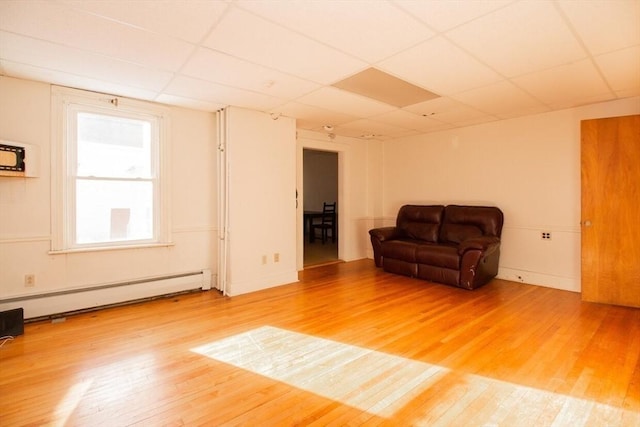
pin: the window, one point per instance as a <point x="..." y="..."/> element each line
<point x="107" y="161"/>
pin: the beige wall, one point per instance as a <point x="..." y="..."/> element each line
<point x="261" y="154"/>
<point x="529" y="167"/>
<point x="25" y="229"/>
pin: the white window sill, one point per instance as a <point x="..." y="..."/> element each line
<point x="110" y="248"/>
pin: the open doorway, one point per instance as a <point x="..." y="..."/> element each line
<point x="320" y="180"/>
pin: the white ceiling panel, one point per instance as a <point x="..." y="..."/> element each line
<point x="579" y="81"/>
<point x="30" y="72"/>
<point x="368" y="30"/>
<point x="605" y="25"/>
<point x="221" y="68"/>
<point x="254" y="39"/>
<point x="622" y="70"/>
<point x="440" y="67"/>
<point x="63" y="25"/>
<point x="449" y="110"/>
<point x="167" y="17"/>
<point x="502" y="58"/>
<point x="521" y="38"/>
<point x="369" y="128"/>
<point x="444" y="15"/>
<point x="345" y="102"/>
<point x="406" y="119"/>
<point x="314" y="116"/>
<point x="214" y="93"/>
<point x="189" y="102"/>
<point x="500" y="99"/>
<point x="62" y="59"/>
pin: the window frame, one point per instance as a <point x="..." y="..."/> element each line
<point x="66" y="104"/>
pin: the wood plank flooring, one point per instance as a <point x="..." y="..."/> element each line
<point x="347" y="345"/>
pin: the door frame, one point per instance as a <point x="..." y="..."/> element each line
<point x="341" y="151"/>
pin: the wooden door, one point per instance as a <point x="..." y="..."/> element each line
<point x="611" y="210"/>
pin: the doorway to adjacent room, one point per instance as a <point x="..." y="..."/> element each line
<point x="320" y="180"/>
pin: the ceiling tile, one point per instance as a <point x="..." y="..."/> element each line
<point x="167" y="17"/>
<point x="568" y="85"/>
<point x="61" y="59"/>
<point x="439" y="66"/>
<point x="450" y="111"/>
<point x="502" y="98"/>
<point x="369" y="128"/>
<point x="444" y="15"/>
<point x="47" y="75"/>
<point x="221" y="68"/>
<point x="605" y="25"/>
<point x="370" y="30"/>
<point x="408" y="120"/>
<point x="64" y="25"/>
<point x="311" y="117"/>
<point x="195" y="104"/>
<point x="276" y="47"/>
<point x="521" y="38"/>
<point x="344" y="102"/>
<point x="214" y="93"/>
<point x="622" y="70"/>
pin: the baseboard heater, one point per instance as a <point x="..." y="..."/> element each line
<point x="50" y="304"/>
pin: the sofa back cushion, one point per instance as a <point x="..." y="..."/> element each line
<point x="464" y="222"/>
<point x="420" y="222"/>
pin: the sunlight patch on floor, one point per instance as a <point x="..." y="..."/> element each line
<point x="375" y="382"/>
<point x="70" y="401"/>
<point x="385" y="385"/>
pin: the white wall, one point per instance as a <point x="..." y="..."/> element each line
<point x="261" y="156"/>
<point x="25" y="213"/>
<point x="529" y="167"/>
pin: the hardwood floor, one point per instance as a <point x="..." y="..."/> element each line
<point x="347" y="345"/>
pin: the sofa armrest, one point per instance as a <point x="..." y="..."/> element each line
<point x="379" y="235"/>
<point x="484" y="243"/>
<point x="385" y="233"/>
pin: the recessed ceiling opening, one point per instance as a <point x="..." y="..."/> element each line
<point x="386" y="88"/>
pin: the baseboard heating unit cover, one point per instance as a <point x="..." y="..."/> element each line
<point x="71" y="300"/>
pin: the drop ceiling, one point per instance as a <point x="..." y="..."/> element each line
<point x="484" y="60"/>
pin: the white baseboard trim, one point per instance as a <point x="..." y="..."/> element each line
<point x="77" y="299"/>
<point x="540" y="279"/>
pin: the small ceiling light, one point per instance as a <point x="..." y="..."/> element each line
<point x="328" y="128"/>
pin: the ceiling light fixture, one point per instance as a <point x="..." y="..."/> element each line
<point x="328" y="128"/>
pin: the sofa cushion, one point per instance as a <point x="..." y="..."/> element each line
<point x="420" y="222"/>
<point x="465" y="222"/>
<point x="456" y="233"/>
<point x="439" y="255"/>
<point x="399" y="249"/>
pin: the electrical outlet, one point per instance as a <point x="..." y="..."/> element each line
<point x="546" y="235"/>
<point x="276" y="257"/>
<point x="29" y="280"/>
<point x="264" y="259"/>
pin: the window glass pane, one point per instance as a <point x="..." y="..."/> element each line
<point x="110" y="146"/>
<point x="110" y="211"/>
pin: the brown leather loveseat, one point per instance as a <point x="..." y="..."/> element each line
<point x="455" y="245"/>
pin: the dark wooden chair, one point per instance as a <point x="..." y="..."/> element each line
<point x="326" y="225"/>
